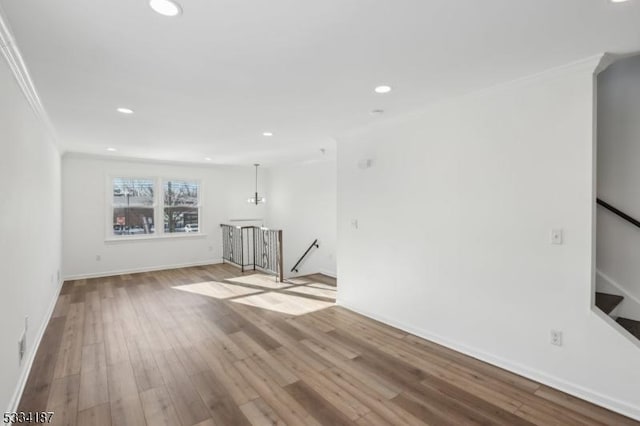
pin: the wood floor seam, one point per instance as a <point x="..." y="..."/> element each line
<point x="176" y="347"/>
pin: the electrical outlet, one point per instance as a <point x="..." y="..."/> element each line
<point x="22" y="347"/>
<point x="556" y="236"/>
<point x="98" y="258"/>
<point x="556" y="337"/>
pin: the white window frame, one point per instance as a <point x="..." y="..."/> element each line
<point x="158" y="209"/>
<point x="162" y="204"/>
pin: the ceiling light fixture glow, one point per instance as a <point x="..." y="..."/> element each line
<point x="207" y="158"/>
<point x="125" y="110"/>
<point x="111" y="149"/>
<point x="165" y="7"/>
<point x="267" y="134"/>
<point x="382" y="89"/>
<point x="618" y="1"/>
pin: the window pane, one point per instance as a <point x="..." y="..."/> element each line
<point x="133" y="220"/>
<point x="132" y="192"/>
<point x="181" y="219"/>
<point x="181" y="193"/>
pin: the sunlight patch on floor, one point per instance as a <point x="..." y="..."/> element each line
<point x="325" y="286"/>
<point x="315" y="291"/>
<point x="284" y="303"/>
<point x="298" y="281"/>
<point x="259" y="280"/>
<point x="216" y="289"/>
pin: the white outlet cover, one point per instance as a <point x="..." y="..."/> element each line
<point x="557" y="236"/>
<point x="556" y="337"/>
<point x="22" y="348"/>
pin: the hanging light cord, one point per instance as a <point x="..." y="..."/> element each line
<point x="256" y="200"/>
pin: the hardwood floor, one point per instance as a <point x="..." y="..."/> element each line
<point x="187" y="347"/>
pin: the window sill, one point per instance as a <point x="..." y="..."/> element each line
<point x="128" y="238"/>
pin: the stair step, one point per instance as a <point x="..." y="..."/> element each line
<point x="632" y="326"/>
<point x="607" y="302"/>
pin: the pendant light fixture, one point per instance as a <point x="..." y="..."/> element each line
<point x="256" y="199"/>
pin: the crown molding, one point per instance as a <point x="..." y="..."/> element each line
<point x="591" y="64"/>
<point x="18" y="68"/>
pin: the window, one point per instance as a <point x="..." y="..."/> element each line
<point x="133" y="206"/>
<point x="181" y="206"/>
<point x="153" y="207"/>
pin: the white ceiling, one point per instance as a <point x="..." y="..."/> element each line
<point x="208" y="83"/>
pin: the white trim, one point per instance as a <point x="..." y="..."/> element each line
<point x="22" y="380"/>
<point x="147" y="237"/>
<point x="162" y="205"/>
<point x="20" y="72"/>
<point x="144" y="269"/>
<point x="623" y="292"/>
<point x="613" y="323"/>
<point x="578" y="391"/>
<point x="158" y="207"/>
<point x="609" y="59"/>
<point x="328" y="273"/>
<point x="130" y="159"/>
<point x="615" y="284"/>
<point x="589" y="63"/>
<point x="108" y="195"/>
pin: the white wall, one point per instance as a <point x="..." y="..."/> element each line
<point x="301" y="200"/>
<point x="455" y="217"/>
<point x="29" y="228"/>
<point x="619" y="180"/>
<point x="224" y="196"/>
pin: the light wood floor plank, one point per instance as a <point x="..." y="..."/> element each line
<point x="158" y="408"/>
<point x="188" y="347"/>
<point x="100" y="415"/>
<point x="259" y="413"/>
<point x="94" y="387"/>
<point x="63" y="400"/>
<point x="127" y="412"/>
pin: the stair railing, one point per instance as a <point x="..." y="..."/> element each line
<point x="313" y="244"/>
<point x="618" y="212"/>
<point x="253" y="246"/>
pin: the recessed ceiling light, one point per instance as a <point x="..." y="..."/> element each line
<point x="267" y="134"/>
<point x="382" y="89"/>
<point x="125" y="110"/>
<point x="618" y="1"/>
<point x="111" y="149"/>
<point x="165" y="7"/>
<point x="207" y="158"/>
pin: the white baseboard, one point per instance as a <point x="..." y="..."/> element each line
<point x="630" y="306"/>
<point x="578" y="391"/>
<point x="139" y="270"/>
<point x="31" y="356"/>
<point x="328" y="273"/>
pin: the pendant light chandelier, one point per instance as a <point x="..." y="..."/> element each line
<point x="256" y="199"/>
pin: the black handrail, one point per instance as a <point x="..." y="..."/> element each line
<point x="313" y="244"/>
<point x="618" y="212"/>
